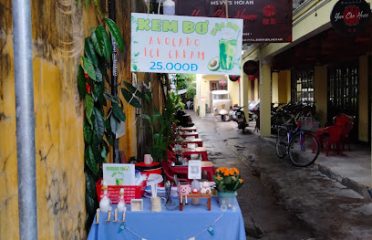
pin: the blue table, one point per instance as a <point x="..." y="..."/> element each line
<point x="193" y="223"/>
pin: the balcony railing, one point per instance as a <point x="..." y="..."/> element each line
<point x="297" y="3"/>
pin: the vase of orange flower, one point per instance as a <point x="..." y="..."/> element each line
<point x="228" y="181"/>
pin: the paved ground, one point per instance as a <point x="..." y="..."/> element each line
<point x="282" y="202"/>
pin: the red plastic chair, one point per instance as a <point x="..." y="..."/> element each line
<point x="346" y="122"/>
<point x="335" y="137"/>
<point x="170" y="175"/>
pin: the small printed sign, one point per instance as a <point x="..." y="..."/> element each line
<point x="118" y="174"/>
<point x="178" y="44"/>
<point x="194" y="169"/>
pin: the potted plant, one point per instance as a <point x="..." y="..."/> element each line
<point x="228" y="181"/>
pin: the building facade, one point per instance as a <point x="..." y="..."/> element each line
<point x="320" y="66"/>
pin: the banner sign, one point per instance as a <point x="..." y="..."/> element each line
<point x="176" y="44"/>
<point x="350" y="16"/>
<point x="264" y="20"/>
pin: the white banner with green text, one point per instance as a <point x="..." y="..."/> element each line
<point x="178" y="44"/>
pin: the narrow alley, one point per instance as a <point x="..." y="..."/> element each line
<point x="279" y="201"/>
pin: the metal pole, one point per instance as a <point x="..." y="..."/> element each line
<point x="114" y="76"/>
<point x="24" y="91"/>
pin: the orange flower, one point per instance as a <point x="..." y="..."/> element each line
<point x="231" y="171"/>
<point x="223" y="173"/>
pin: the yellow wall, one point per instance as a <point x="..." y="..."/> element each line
<point x="244" y="93"/>
<point x="234" y="91"/>
<point x="203" y="92"/>
<point x="265" y="99"/>
<point x="127" y="143"/>
<point x="8" y="160"/>
<point x="256" y="90"/>
<point x="274" y="87"/>
<point x="59" y="28"/>
<point x="284" y="86"/>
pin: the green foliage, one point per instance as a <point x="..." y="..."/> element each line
<point x="103" y="112"/>
<point x="175" y="101"/>
<point x="186" y="81"/>
<point x="160" y="125"/>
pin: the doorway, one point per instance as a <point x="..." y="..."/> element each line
<point x="343" y="84"/>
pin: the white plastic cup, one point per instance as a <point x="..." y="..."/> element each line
<point x="148" y="159"/>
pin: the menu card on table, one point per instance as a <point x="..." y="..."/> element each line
<point x="119" y="174"/>
<point x="194" y="169"/>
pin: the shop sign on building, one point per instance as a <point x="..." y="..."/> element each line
<point x="264" y="20"/>
<point x="177" y="44"/>
<point x="350" y="16"/>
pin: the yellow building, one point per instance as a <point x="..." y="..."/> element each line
<point x="320" y="66"/>
<point x="207" y="83"/>
<point x="58" y="31"/>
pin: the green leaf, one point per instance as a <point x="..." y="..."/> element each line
<point x="96" y="44"/>
<point x="89" y="51"/>
<point x="97" y="152"/>
<point x="90" y="161"/>
<point x="108" y="96"/>
<point x="81" y="82"/>
<point x="104" y="42"/>
<point x="98" y="75"/>
<point x="89" y="68"/>
<point x="148" y="97"/>
<point x="90" y="185"/>
<point x="87" y="133"/>
<point x="104" y="152"/>
<point x="99" y="126"/>
<point x="98" y="90"/>
<point x="118" y="112"/>
<point x="115" y="33"/>
<point x="130" y="87"/>
<point x="132" y="100"/>
<point x="114" y="125"/>
<point x="134" y="90"/>
<point x="89" y="104"/>
<point x="127" y="95"/>
<point x="90" y="199"/>
<point x="156" y="116"/>
<point x="146" y="117"/>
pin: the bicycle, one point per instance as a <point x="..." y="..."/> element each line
<point x="301" y="145"/>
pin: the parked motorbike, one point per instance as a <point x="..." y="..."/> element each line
<point x="223" y="113"/>
<point x="240" y="119"/>
<point x="232" y="112"/>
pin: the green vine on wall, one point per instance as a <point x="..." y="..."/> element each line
<point x="103" y="111"/>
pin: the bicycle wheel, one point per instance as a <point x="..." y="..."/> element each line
<point x="303" y="149"/>
<point x="281" y="145"/>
